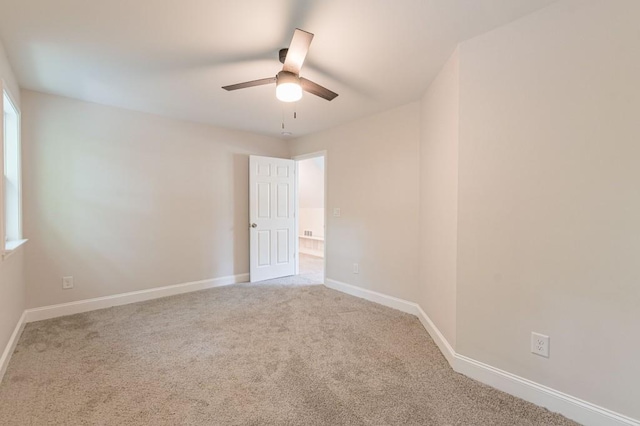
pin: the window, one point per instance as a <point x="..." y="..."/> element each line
<point x="12" y="217"/>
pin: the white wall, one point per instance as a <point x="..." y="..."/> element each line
<point x="311" y="183"/>
<point x="439" y="199"/>
<point x="372" y="172"/>
<point x="311" y="195"/>
<point x="125" y="201"/>
<point x="550" y="199"/>
<point x="12" y="287"/>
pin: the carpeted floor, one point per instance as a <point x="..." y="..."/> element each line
<point x="248" y="354"/>
<point x="312" y="268"/>
<point x="311" y="272"/>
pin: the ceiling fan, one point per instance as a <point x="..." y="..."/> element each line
<point x="289" y="84"/>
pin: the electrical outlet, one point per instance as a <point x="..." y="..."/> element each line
<point x="540" y="344"/>
<point x="356" y="268"/>
<point x="67" y="283"/>
<point x="336" y="212"/>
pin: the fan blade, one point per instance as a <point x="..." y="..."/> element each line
<point x="316" y="89"/>
<point x="298" y="50"/>
<point x="246" y="84"/>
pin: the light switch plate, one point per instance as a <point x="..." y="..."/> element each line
<point x="336" y="212"/>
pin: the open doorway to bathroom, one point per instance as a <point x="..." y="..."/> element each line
<point x="311" y="217"/>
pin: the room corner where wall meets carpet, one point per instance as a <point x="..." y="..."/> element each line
<point x="574" y="408"/>
<point x="246" y="354"/>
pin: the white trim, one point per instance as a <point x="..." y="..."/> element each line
<point x="11" y="247"/>
<point x="3" y="233"/>
<point x="439" y="339"/>
<point x="296" y="213"/>
<point x="54" y="311"/>
<point x="11" y="345"/>
<point x="401" y="305"/>
<point x="14" y="244"/>
<point x="569" y="406"/>
<point x="310" y="155"/>
<point x="4" y="89"/>
<point x="373" y="296"/>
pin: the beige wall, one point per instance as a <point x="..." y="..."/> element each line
<point x="372" y="172"/>
<point x="12" y="288"/>
<point x="6" y="75"/>
<point x="439" y="199"/>
<point x="505" y="202"/>
<point x="550" y="199"/>
<point x="125" y="201"/>
<point x="12" y="295"/>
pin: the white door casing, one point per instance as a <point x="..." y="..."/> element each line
<point x="271" y="218"/>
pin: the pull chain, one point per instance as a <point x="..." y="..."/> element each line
<point x="295" y="116"/>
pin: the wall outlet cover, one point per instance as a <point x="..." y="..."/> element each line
<point x="540" y="344"/>
<point x="67" y="283"/>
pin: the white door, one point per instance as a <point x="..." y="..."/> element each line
<point x="271" y="218"/>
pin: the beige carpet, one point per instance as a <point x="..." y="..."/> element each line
<point x="261" y="354"/>
<point x="311" y="272"/>
<point x="312" y="268"/>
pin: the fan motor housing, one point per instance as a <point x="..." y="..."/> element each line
<point x="287" y="77"/>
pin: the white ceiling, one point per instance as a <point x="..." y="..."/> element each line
<point x="170" y="57"/>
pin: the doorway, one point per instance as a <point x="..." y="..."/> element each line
<point x="287" y="218"/>
<point x="311" y="217"/>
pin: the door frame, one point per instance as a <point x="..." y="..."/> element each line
<point x="297" y="159"/>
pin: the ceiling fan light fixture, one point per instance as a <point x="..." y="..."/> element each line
<point x="289" y="84"/>
<point x="288" y="87"/>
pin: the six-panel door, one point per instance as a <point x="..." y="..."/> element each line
<point x="271" y="217"/>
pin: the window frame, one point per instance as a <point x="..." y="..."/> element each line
<point x="9" y="246"/>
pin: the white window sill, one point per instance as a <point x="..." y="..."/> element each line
<point x="10" y="247"/>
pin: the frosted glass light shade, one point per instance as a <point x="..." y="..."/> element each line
<point x="288" y="87"/>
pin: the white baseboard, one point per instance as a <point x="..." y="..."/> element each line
<point x="11" y="345"/>
<point x="574" y="408"/>
<point x="373" y="296"/>
<point x="401" y="305"/>
<point x="443" y="344"/>
<point x="571" y="407"/>
<point x="63" y="309"/>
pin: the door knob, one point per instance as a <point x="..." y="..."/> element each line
<point x="253" y="225"/>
